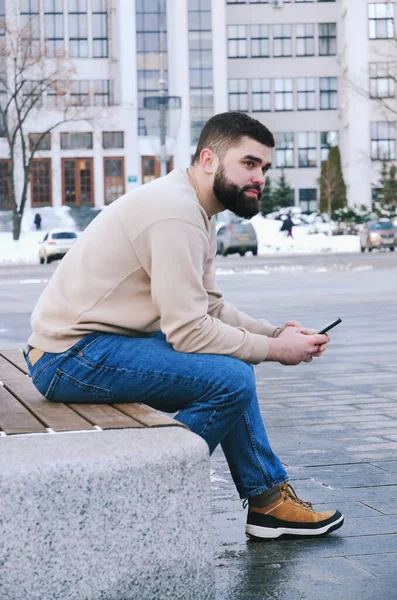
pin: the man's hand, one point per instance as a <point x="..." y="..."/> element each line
<point x="288" y="324"/>
<point x="295" y="344"/>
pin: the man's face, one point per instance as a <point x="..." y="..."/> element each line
<point x="240" y="177"/>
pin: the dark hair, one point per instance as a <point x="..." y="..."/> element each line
<point x="227" y="129"/>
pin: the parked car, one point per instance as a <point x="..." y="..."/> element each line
<point x="55" y="244"/>
<point x="378" y="234"/>
<point x="236" y="237"/>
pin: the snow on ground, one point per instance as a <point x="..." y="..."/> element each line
<point x="270" y="240"/>
<point x="26" y="250"/>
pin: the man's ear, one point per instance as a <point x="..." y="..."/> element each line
<point x="209" y="161"/>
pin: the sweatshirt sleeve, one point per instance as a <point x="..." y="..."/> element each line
<point x="225" y="312"/>
<point x="174" y="253"/>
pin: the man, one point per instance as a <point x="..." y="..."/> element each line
<point x="133" y="314"/>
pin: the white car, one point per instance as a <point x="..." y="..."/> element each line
<point x="55" y="244"/>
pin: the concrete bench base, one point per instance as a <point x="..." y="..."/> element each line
<point x="107" y="515"/>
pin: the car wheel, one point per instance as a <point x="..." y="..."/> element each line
<point x="391" y="248"/>
<point x="222" y="250"/>
<point x="241" y="252"/>
<point x="255" y="251"/>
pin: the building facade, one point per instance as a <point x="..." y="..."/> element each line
<point x="316" y="72"/>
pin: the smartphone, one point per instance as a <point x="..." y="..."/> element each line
<point x="334" y="324"/>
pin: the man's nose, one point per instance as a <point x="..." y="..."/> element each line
<point x="258" y="177"/>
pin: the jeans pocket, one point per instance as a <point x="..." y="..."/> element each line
<point x="68" y="389"/>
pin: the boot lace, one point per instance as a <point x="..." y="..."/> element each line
<point x="290" y="493"/>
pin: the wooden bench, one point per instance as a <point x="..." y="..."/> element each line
<point x="24" y="410"/>
<point x="99" y="501"/>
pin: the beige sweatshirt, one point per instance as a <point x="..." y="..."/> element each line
<point x="146" y="264"/>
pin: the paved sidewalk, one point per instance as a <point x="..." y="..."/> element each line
<point x="334" y="425"/>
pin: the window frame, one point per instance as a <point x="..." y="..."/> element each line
<point x="390" y="141"/>
<point x="37" y="161"/>
<point x="119" y="158"/>
<point x="285" y="149"/>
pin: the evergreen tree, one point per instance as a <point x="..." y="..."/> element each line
<point x="283" y="194"/>
<point x="266" y="201"/>
<point x="332" y="184"/>
<point x="389" y="192"/>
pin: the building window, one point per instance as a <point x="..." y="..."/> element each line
<point x="142" y="129"/>
<point x="308" y="196"/>
<point x="200" y="65"/>
<point x="238" y="94"/>
<point x="5" y="197"/>
<point x="328" y="140"/>
<point x="305" y="39"/>
<point x="53" y="27"/>
<point x="283" y="94"/>
<point x="33" y="93"/>
<point x="78" y="37"/>
<point x="383" y="141"/>
<point x="112" y="139"/>
<point x="261" y="95"/>
<point x="306" y="89"/>
<point x="282" y="40"/>
<point x="42" y="144"/>
<point x="56" y="95"/>
<point x="327" y="39"/>
<point x="284" y="150"/>
<point x="76" y="141"/>
<point x="99" y="29"/>
<point x="237" y="41"/>
<point x="80" y="92"/>
<point x="151" y="44"/>
<point x="40" y="182"/>
<point x="103" y="95"/>
<point x="30" y="22"/>
<point x="328" y="93"/>
<point x="114" y="178"/>
<point x="260" y="46"/>
<point x="382" y="80"/>
<point x="151" y="168"/>
<point x="307" y="151"/>
<point x="381" y="20"/>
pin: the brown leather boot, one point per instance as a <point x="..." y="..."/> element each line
<point x="290" y="516"/>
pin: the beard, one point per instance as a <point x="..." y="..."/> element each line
<point x="233" y="197"/>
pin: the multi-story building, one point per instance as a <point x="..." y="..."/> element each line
<point x="316" y="72"/>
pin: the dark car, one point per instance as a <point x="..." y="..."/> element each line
<point x="238" y="238"/>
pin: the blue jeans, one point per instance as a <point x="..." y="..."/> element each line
<point x="214" y="395"/>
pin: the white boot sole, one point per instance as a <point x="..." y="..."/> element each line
<point x="269" y="533"/>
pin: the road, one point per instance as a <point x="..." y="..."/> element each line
<point x="266" y="286"/>
<point x="333" y="422"/>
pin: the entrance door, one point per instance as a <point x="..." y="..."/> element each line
<point x="77" y="182"/>
<point x="151" y="168"/>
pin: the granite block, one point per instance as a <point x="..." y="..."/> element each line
<point x="105" y="516"/>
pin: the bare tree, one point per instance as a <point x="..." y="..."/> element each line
<point x="28" y="78"/>
<point x="381" y="81"/>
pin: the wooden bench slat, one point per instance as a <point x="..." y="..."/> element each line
<point x="16" y="357"/>
<point x="148" y="416"/>
<point x="15" y="418"/>
<point x="57" y="416"/>
<point x="105" y="416"/>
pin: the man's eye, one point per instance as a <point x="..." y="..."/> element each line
<point x="249" y="163"/>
